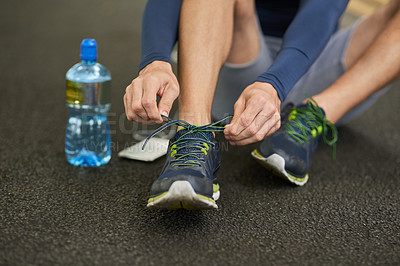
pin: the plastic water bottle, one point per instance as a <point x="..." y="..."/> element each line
<point x="88" y="99"/>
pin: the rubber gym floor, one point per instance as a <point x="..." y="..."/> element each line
<point x="55" y="214"/>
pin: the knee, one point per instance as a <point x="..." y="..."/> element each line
<point x="244" y="10"/>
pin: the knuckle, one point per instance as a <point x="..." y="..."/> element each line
<point x="175" y="91"/>
<point x="172" y="92"/>
<point x="151" y="79"/>
<point x="137" y="109"/>
<point x="262" y="100"/>
<point x="245" y="121"/>
<point x="228" y="131"/>
<point x="170" y="98"/>
<point x="237" y="105"/>
<point x="147" y="103"/>
<point x="278" y="124"/>
<point x="153" y="116"/>
<point x="131" y="116"/>
<point x="165" y="105"/>
<point x="259" y="137"/>
<point x="269" y="133"/>
<point x="175" y="87"/>
<point x="270" y="110"/>
<point x="133" y="83"/>
<point x="264" y="116"/>
<point x="253" y="130"/>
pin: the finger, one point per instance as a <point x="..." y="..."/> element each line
<point x="167" y="99"/>
<point x="275" y="128"/>
<point x="265" y="131"/>
<point x="238" y="110"/>
<point x="259" y="122"/>
<point x="246" y="118"/>
<point x="267" y="117"/>
<point x="138" y="113"/>
<point x="126" y="105"/>
<point x="149" y="100"/>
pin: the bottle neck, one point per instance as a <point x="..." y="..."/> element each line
<point x="88" y="62"/>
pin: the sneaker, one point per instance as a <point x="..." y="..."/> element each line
<point x="188" y="179"/>
<point x="287" y="153"/>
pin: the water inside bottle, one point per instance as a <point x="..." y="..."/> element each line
<point x="87" y="135"/>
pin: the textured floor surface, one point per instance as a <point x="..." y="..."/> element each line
<point x="53" y="213"/>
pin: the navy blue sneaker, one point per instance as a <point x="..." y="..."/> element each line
<point x="287" y="152"/>
<point x="188" y="179"/>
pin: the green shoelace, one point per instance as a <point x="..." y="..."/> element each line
<point x="310" y="120"/>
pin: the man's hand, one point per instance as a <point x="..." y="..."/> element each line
<point x="140" y="97"/>
<point x="256" y="116"/>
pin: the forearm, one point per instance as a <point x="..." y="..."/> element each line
<point x="304" y="40"/>
<point x="159" y="30"/>
<point x="379" y="66"/>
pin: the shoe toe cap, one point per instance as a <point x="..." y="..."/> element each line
<point x="201" y="185"/>
<point x="294" y="154"/>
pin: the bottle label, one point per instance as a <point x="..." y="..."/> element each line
<point x="97" y="93"/>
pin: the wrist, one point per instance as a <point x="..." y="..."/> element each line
<point x="269" y="88"/>
<point x="157" y="64"/>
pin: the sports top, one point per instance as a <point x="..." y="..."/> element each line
<point x="304" y="25"/>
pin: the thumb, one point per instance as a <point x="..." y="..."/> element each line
<point x="166" y="101"/>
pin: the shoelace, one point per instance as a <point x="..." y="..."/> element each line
<point x="185" y="150"/>
<point x="316" y="123"/>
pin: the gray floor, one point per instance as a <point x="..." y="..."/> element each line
<point x="53" y="213"/>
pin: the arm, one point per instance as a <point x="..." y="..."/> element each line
<point x="159" y="30"/>
<point x="257" y="111"/>
<point x="303" y="41"/>
<point x="156" y="78"/>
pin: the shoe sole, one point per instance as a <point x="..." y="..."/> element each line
<point x="276" y="164"/>
<point x="181" y="195"/>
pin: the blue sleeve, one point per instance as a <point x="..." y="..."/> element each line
<point x="303" y="41"/>
<point x="159" y="30"/>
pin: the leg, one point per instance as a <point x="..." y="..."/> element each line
<point x="371" y="69"/>
<point x="246" y="40"/>
<point x="249" y="56"/>
<point x="367" y="32"/>
<point x="288" y="152"/>
<point x="207" y="29"/>
<point x="339" y="56"/>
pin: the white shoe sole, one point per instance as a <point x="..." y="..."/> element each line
<point x="276" y="164"/>
<point x="182" y="195"/>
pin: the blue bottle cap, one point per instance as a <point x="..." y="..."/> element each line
<point x="89" y="49"/>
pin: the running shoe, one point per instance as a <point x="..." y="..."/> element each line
<point x="287" y="152"/>
<point x="188" y="179"/>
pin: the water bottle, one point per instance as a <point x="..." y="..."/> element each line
<point x="88" y="99"/>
